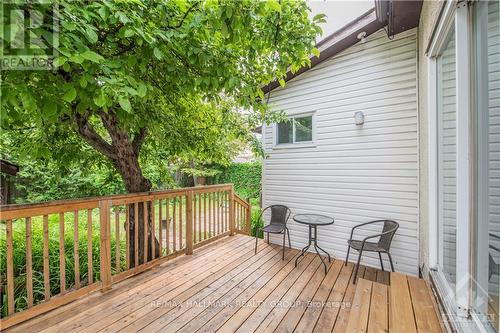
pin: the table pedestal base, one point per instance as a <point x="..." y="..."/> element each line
<point x="313" y="240"/>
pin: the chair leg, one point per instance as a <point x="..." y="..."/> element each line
<point x="289" y="242"/>
<point x="347" y="257"/>
<point x="357" y="267"/>
<point x="283" y="255"/>
<point x="256" y="239"/>
<point x="267" y="238"/>
<point x="390" y="260"/>
<point x="381" y="263"/>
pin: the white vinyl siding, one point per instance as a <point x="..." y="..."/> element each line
<point x="447" y="157"/>
<point x="353" y="173"/>
<point x="494" y="132"/>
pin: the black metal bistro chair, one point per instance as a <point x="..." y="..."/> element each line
<point x="382" y="246"/>
<point x="277" y="224"/>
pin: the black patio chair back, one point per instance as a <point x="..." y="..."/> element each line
<point x="388" y="232"/>
<point x="279" y="214"/>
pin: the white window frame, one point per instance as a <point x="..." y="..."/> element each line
<point x="459" y="12"/>
<point x="295" y="144"/>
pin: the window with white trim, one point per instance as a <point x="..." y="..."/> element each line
<point x="298" y="129"/>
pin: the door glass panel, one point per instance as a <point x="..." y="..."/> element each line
<point x="487" y="221"/>
<point x="447" y="155"/>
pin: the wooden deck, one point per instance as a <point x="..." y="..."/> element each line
<point x="225" y="287"/>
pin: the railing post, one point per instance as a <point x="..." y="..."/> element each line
<point x="232" y="222"/>
<point x="105" y="245"/>
<point x="249" y="218"/>
<point x="189" y="222"/>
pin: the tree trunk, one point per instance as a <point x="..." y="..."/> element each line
<point x="124" y="153"/>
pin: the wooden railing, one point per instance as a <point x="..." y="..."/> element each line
<point x="55" y="252"/>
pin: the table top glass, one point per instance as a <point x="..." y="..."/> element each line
<point x="313" y="219"/>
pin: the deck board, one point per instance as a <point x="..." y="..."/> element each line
<point x="225" y="287"/>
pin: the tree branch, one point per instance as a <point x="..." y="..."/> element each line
<point x="139" y="140"/>
<point x="89" y="134"/>
<point x="184" y="17"/>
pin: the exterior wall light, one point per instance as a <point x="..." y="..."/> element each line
<point x="359" y="118"/>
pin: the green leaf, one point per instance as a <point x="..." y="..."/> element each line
<point x="59" y="61"/>
<point x="315" y="52"/>
<point x="70" y="95"/>
<point x="124" y="103"/>
<point x="128" y="33"/>
<point x="141" y="90"/>
<point x="103" y="13"/>
<point x="274" y="5"/>
<point x="83" y="82"/>
<point x="91" y="36"/>
<point x="224" y="29"/>
<point x="158" y="54"/>
<point x="49" y="110"/>
<point x="70" y="26"/>
<point x="100" y="99"/>
<point x="281" y="82"/>
<point x="92" y="56"/>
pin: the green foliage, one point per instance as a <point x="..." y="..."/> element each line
<point x="246" y="178"/>
<point x="256" y="222"/>
<point x="179" y="72"/>
<point x="19" y="256"/>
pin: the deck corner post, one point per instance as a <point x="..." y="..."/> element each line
<point x="105" y="245"/>
<point x="248" y="226"/>
<point x="232" y="222"/>
<point x="189" y="222"/>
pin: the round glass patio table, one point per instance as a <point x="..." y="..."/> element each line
<point x="313" y="221"/>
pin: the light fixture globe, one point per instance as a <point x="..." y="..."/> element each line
<point x="359" y="118"/>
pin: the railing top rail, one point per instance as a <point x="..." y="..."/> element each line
<point x="241" y="201"/>
<point x="51" y="207"/>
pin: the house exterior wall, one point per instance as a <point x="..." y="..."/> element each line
<point x="428" y="17"/>
<point x="353" y="173"/>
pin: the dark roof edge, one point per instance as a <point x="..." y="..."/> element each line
<point x="336" y="47"/>
<point x="400" y="16"/>
<point x="344" y="28"/>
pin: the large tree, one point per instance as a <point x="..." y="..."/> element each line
<point x="170" y="73"/>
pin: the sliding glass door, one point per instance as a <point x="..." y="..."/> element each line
<point x="487" y="220"/>
<point x="447" y="157"/>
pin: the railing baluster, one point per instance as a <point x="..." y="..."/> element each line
<point x="10" y="270"/>
<point x="127" y="235"/>
<point x="136" y="234"/>
<point x="145" y="229"/>
<point x="181" y="243"/>
<point x="76" y="244"/>
<point x="160" y="227"/>
<point x="217" y="210"/>
<point x="90" y="238"/>
<point x="167" y="218"/>
<point x="174" y="222"/>
<point x="62" y="259"/>
<point x="117" y="239"/>
<point x="189" y="223"/>
<point x="153" y="229"/>
<point x="210" y="214"/>
<point x="193" y="209"/>
<point x="231" y="211"/>
<point x="199" y="218"/>
<point x="204" y="216"/>
<point x="46" y="269"/>
<point x="29" y="264"/>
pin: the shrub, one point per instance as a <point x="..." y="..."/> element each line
<point x="246" y="178"/>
